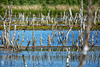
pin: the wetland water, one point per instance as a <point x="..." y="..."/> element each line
<point x="45" y="33"/>
<point x="45" y="58"/>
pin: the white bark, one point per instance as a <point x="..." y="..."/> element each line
<point x="68" y="33"/>
<point x="95" y="17"/>
<point x="13" y="39"/>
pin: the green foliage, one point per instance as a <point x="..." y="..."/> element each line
<point x="50" y="2"/>
<point x="45" y="4"/>
<point x="98" y="23"/>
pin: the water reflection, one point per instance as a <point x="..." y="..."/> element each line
<point x="47" y="59"/>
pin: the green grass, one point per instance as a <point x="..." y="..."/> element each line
<point x="61" y="49"/>
<point x="46" y="28"/>
<point x="1" y="27"/>
<point x="52" y="49"/>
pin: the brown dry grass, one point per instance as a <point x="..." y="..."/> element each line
<point x="24" y="7"/>
<point x="39" y="7"/>
<point x="51" y="7"/>
<point x="63" y="7"/>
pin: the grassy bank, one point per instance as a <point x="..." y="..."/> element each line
<point x="47" y="27"/>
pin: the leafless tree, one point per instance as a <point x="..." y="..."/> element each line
<point x="87" y="36"/>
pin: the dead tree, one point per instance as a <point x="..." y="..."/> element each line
<point x="92" y="41"/>
<point x="58" y="39"/>
<point x="49" y="40"/>
<point x="64" y="42"/>
<point x="42" y="18"/>
<point x="76" y="19"/>
<point x="17" y="41"/>
<point x="70" y="19"/>
<point x="95" y="17"/>
<point x="2" y="38"/>
<point x="87" y="36"/>
<point x="27" y="20"/>
<point x="13" y="39"/>
<point x="28" y="44"/>
<point x="70" y="25"/>
<point x="10" y="19"/>
<point x="33" y="20"/>
<point x="5" y="29"/>
<point x="77" y="45"/>
<point x="52" y="31"/>
<point x="34" y="40"/>
<point x="99" y="16"/>
<point x="68" y="33"/>
<point x="41" y="40"/>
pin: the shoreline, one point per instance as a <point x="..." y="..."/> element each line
<point x="46" y="27"/>
<point x="46" y="48"/>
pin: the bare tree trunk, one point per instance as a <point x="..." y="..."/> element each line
<point x="27" y="45"/>
<point x="81" y="18"/>
<point x="8" y="31"/>
<point x="49" y="40"/>
<point x="95" y="17"/>
<point x="41" y="40"/>
<point x="5" y="29"/>
<point x="2" y="38"/>
<point x="5" y="33"/>
<point x="33" y="33"/>
<point x="34" y="40"/>
<point x="13" y="39"/>
<point x="33" y="28"/>
<point x="89" y="22"/>
<point x="68" y="33"/>
<point x="85" y="49"/>
<point x="17" y="43"/>
<point x="52" y="31"/>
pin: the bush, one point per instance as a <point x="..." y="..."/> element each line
<point x="98" y="23"/>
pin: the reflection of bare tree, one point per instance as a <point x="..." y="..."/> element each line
<point x="95" y="57"/>
<point x="98" y="58"/>
<point x="33" y="60"/>
<point x="24" y="61"/>
<point x="50" y="58"/>
<point x="68" y="58"/>
<point x="11" y="60"/>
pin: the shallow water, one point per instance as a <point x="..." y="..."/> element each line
<point x="45" y="33"/>
<point x="47" y="59"/>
